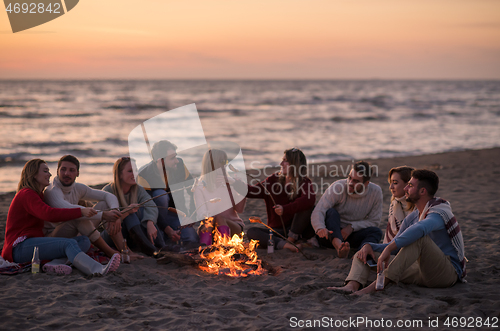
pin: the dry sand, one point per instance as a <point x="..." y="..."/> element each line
<point x="145" y="296"/>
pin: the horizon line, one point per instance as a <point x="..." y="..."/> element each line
<point x="252" y="79"/>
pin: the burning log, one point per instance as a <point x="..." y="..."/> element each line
<point x="194" y="259"/>
<point x="227" y="256"/>
<point x="180" y="259"/>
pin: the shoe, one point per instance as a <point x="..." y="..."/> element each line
<point x="59" y="269"/>
<point x="57" y="266"/>
<point x="113" y="264"/>
<point x="89" y="266"/>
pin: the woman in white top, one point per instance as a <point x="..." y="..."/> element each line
<point x="215" y="197"/>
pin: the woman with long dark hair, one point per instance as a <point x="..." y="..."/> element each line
<point x="289" y="197"/>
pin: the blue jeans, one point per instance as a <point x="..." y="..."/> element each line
<point x="168" y="218"/>
<point x="50" y="248"/>
<point x="128" y="223"/>
<point x="356" y="239"/>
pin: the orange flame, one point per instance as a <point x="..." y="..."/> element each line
<point x="231" y="257"/>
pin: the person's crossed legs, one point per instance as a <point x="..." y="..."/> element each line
<point x="355" y="239"/>
<point x="169" y="221"/>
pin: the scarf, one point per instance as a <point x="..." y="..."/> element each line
<point x="397" y="213"/>
<point x="443" y="208"/>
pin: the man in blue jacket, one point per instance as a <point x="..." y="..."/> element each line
<point x="429" y="247"/>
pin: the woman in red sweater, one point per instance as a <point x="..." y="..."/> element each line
<point x="25" y="221"/>
<point x="294" y="195"/>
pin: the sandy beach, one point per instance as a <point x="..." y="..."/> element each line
<point x="148" y="296"/>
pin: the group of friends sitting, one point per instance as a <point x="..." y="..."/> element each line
<point x="143" y="208"/>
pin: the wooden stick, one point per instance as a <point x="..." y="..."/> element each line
<point x="142" y="203"/>
<point x="255" y="219"/>
<point x="269" y="193"/>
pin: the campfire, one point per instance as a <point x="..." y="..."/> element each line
<point x="231" y="257"/>
<point x="226" y="256"/>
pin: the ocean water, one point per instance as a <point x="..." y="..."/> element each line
<point x="328" y="120"/>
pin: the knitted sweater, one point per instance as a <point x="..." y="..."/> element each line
<point x="359" y="210"/>
<point x="26" y="216"/>
<point x="60" y="196"/>
<point x="304" y="201"/>
<point x="150" y="211"/>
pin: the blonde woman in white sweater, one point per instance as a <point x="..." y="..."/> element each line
<point x="212" y="185"/>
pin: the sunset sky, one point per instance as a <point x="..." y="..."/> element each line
<point x="260" y="39"/>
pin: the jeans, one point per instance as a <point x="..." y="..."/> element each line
<point x="301" y="225"/>
<point x="71" y="229"/>
<point x="128" y="223"/>
<point x="356" y="239"/>
<point x="50" y="248"/>
<point x="168" y="218"/>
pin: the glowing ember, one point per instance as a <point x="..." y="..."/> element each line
<point x="231" y="257"/>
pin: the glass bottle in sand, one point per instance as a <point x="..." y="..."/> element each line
<point x="35" y="262"/>
<point x="270" y="243"/>
<point x="125" y="253"/>
<point x="379" y="285"/>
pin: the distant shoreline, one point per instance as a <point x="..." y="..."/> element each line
<point x="254" y="79"/>
<point x="342" y="164"/>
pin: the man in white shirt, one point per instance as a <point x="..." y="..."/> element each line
<point x="64" y="192"/>
<point x="349" y="212"/>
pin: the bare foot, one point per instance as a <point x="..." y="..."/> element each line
<point x="367" y="290"/>
<point x="352" y="286"/>
<point x="343" y="250"/>
<point x="291" y="247"/>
